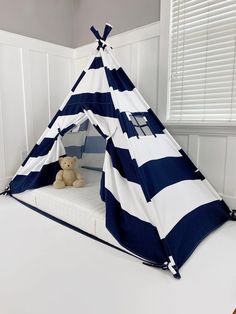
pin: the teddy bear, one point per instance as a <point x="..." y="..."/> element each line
<point x="68" y="176"/>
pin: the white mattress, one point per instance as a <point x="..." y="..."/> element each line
<point x="80" y="207"/>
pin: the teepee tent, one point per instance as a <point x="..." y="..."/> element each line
<point x="158" y="204"/>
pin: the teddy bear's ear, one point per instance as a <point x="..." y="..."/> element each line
<point x="60" y="160"/>
<point x="74" y="159"/>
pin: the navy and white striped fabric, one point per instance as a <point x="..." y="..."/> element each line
<point x="158" y="204"/>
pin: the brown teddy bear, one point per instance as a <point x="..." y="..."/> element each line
<point x="68" y="176"/>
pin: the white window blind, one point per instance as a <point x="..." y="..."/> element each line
<point x="203" y="60"/>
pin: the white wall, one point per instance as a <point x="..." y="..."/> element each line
<point x="34" y="78"/>
<point x="49" y="20"/>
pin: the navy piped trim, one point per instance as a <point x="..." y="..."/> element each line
<point x="188" y="160"/>
<point x="78" y="81"/>
<point x="65" y="224"/>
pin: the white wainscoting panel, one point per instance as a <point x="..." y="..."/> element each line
<point x="230" y="167"/>
<point x="59" y="81"/>
<point x="213" y="148"/>
<point x="183" y="141"/>
<point x="147" y="70"/>
<point x="35" y="76"/>
<point x="12" y="107"/>
<point x="215" y="156"/>
<point x="39" y="92"/>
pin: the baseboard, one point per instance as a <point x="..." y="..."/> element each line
<point x="4" y="182"/>
<point x="229" y="200"/>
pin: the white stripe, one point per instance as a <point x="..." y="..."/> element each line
<point x="91" y="131"/>
<point x="146" y="148"/>
<point x="108" y="61"/>
<point x="173" y="141"/>
<point x="62" y="122"/>
<point x="36" y="163"/>
<point x="128" y="101"/>
<point x="128" y="194"/>
<point x="107" y="125"/>
<point x="111" y="127"/>
<point x="95" y="81"/>
<point x="177" y="200"/>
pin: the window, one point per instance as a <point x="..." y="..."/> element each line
<point x="140" y="124"/>
<point x="202" y="61"/>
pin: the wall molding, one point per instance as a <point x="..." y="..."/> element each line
<point x="201" y="129"/>
<point x="4" y="183"/>
<point x="229" y="200"/>
<point x="16" y="40"/>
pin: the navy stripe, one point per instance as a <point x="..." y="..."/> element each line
<point x="139" y="237"/>
<point x="102" y="187"/>
<point x="153" y="122"/>
<point x="88" y="98"/>
<point x="194" y="227"/>
<point x="154" y="175"/>
<point x="35" y="180"/>
<point x="122" y="161"/>
<point x="98" y="103"/>
<point x="187" y="160"/>
<point x="118" y="80"/>
<point x="78" y="81"/>
<point x="97" y="63"/>
<point x="158" y="174"/>
<point x="101" y="103"/>
<point x="77" y="103"/>
<point x="105" y="109"/>
<point x="41" y="149"/>
<point x="66" y="130"/>
<point x="94" y="144"/>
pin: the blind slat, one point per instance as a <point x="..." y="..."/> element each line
<point x="209" y="12"/>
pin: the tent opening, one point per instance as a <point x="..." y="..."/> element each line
<point x="87" y="144"/>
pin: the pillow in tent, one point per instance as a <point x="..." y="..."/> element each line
<point x="94" y="150"/>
